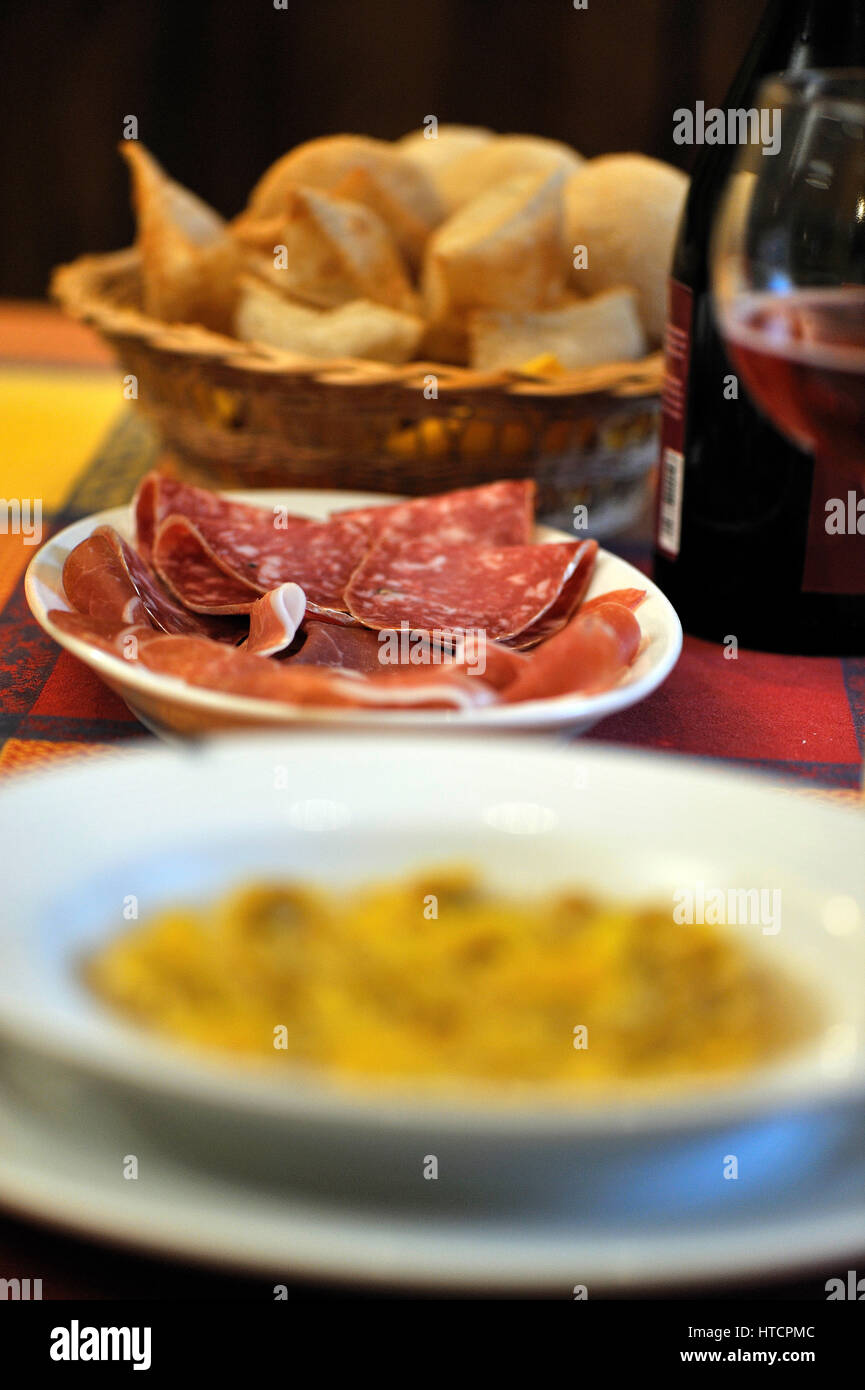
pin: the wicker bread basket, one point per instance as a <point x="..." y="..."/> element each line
<point x="250" y="416"/>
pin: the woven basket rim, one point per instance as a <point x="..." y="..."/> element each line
<point x="80" y="287"/>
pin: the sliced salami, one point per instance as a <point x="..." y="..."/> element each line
<point x="162" y="610"/>
<point x="500" y="591"/>
<point x="256" y="545"/>
<point x="258" y="555"/>
<point x="194" y="573"/>
<point x="494" y="515"/>
<point x="263" y="548"/>
<point x="565" y="606"/>
<point x="144" y="506"/>
<point x="320" y="558"/>
<point x="159" y="496"/>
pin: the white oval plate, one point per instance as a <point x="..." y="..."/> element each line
<point x="168" y="705"/>
<point x="78" y="843"/>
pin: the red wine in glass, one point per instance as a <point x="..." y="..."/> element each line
<point x="788" y="282"/>
<point x="801" y="356"/>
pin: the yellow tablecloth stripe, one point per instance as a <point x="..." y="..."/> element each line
<point x="51" y="423"/>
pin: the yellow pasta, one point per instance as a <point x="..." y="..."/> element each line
<point x="436" y="979"/>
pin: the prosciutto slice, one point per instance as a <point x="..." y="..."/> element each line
<point x="502" y="592"/>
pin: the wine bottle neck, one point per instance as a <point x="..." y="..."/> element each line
<point x="797" y="34"/>
<point x="826" y="33"/>
<point x="830" y="34"/>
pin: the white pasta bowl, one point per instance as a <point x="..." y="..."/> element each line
<point x="161" y="825"/>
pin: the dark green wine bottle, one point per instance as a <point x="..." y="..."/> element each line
<point x="734" y="495"/>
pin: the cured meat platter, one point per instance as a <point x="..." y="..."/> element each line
<point x="208" y="611"/>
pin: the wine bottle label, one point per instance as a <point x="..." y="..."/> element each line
<point x="835" y="549"/>
<point x="671" y="463"/>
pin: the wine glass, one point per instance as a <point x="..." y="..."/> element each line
<point x="788" y="265"/>
<point x="788" y="280"/>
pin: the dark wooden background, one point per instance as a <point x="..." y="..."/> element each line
<point x="221" y="88"/>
